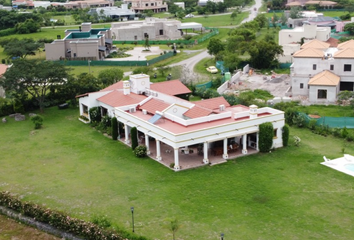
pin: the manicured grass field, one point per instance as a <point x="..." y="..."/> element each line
<point x="285" y="194"/>
<point x="217" y="20"/>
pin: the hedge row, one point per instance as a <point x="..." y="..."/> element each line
<point x="62" y="221"/>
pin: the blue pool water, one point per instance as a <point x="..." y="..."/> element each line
<point x="349" y="167"/>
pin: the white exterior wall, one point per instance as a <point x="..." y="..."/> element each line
<point x="306" y="31"/>
<point x="339" y="68"/>
<point x="203" y="135"/>
<point x="84" y="49"/>
<point x="55" y="50"/>
<point x="295" y="84"/>
<point x="288" y="50"/>
<point x="331" y="94"/>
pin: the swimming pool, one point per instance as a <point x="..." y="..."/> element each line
<point x="343" y="164"/>
<point x="349" y="167"/>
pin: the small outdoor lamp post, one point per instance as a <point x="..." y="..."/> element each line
<point x="222" y="236"/>
<point x="132" y="210"/>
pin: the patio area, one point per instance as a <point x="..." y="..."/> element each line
<point x="191" y="157"/>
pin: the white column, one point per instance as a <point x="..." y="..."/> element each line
<point x="158" y="151"/>
<point x="126" y="133"/>
<point x="176" y="167"/>
<point x="147" y="144"/>
<point x="244" y="142"/>
<point x="205" y="160"/>
<point x="225" y="155"/>
<point x="257" y="138"/>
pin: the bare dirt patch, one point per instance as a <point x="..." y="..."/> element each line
<point x="12" y="230"/>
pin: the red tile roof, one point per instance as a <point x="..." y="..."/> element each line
<point x="154" y="105"/>
<point x="174" y="87"/>
<point x="118" y="99"/>
<point x="197" y="111"/>
<point x="115" y="86"/>
<point x="213" y="103"/>
<point x="3" y="68"/>
<point x="333" y="42"/>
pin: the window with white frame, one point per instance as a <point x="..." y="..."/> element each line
<point x="314" y="66"/>
<point x="301" y="85"/>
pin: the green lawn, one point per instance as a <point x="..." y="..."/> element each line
<point x="285" y="194"/>
<point x="218" y="20"/>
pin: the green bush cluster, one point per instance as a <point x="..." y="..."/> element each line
<point x="64" y="222"/>
<point x="114" y="128"/>
<point x="285" y="135"/>
<point x="140" y="151"/>
<point x="95" y="114"/>
<point x="134" y="137"/>
<point x="265" y="136"/>
<point x="38" y="121"/>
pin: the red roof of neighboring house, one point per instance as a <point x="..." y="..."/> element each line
<point x="118" y="99"/>
<point x="213" y="103"/>
<point x="197" y="111"/>
<point x="333" y="42"/>
<point x="154" y="105"/>
<point x="174" y="87"/>
<point x="115" y="86"/>
<point x="3" y="68"/>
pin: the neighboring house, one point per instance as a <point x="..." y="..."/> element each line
<point x="298" y="3"/>
<point x="81" y="44"/>
<point x="173" y="124"/>
<point x="154" y="28"/>
<point x="7" y="8"/>
<point x="320" y="71"/>
<point x="180" y="4"/>
<point x="122" y="13"/>
<point x="290" y="39"/>
<point x="204" y="2"/>
<point x="140" y="6"/>
<point x="69" y="5"/>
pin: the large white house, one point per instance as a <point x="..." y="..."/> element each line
<point x="290" y="39"/>
<point x="166" y="121"/>
<point x="320" y="71"/>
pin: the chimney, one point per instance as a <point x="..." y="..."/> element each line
<point x="126" y="87"/>
<point x="253" y="111"/>
<point x="221" y="107"/>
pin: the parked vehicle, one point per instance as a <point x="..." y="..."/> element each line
<point x="212" y="69"/>
<point x="189" y="15"/>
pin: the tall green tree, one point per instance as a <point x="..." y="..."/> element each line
<point x="265" y="140"/>
<point x="34" y="78"/>
<point x="29" y="26"/>
<point x="20" y="47"/>
<point x="264" y="54"/>
<point x="215" y="46"/>
<point x="109" y="76"/>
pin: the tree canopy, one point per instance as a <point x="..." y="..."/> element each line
<point x="33" y="77"/>
<point x="215" y="46"/>
<point x="20" y="47"/>
<point x="109" y="76"/>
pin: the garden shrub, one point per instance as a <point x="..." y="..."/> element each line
<point x="134" y="136"/>
<point x="140" y="151"/>
<point x="285" y="135"/>
<point x="114" y="128"/>
<point x="312" y="124"/>
<point x="106" y="121"/>
<point x="38" y="121"/>
<point x="95" y="114"/>
<point x="265" y="136"/>
<point x="344" y="132"/>
<point x="60" y="220"/>
<point x="101" y="221"/>
<point x="290" y="114"/>
<point x="350" y="137"/>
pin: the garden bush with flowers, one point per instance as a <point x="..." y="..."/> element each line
<point x="62" y="221"/>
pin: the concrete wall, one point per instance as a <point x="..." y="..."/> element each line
<point x="295" y="84"/>
<point x="87" y="49"/>
<point x="331" y="94"/>
<point x="55" y="50"/>
<point x="288" y="51"/>
<point x="306" y="31"/>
